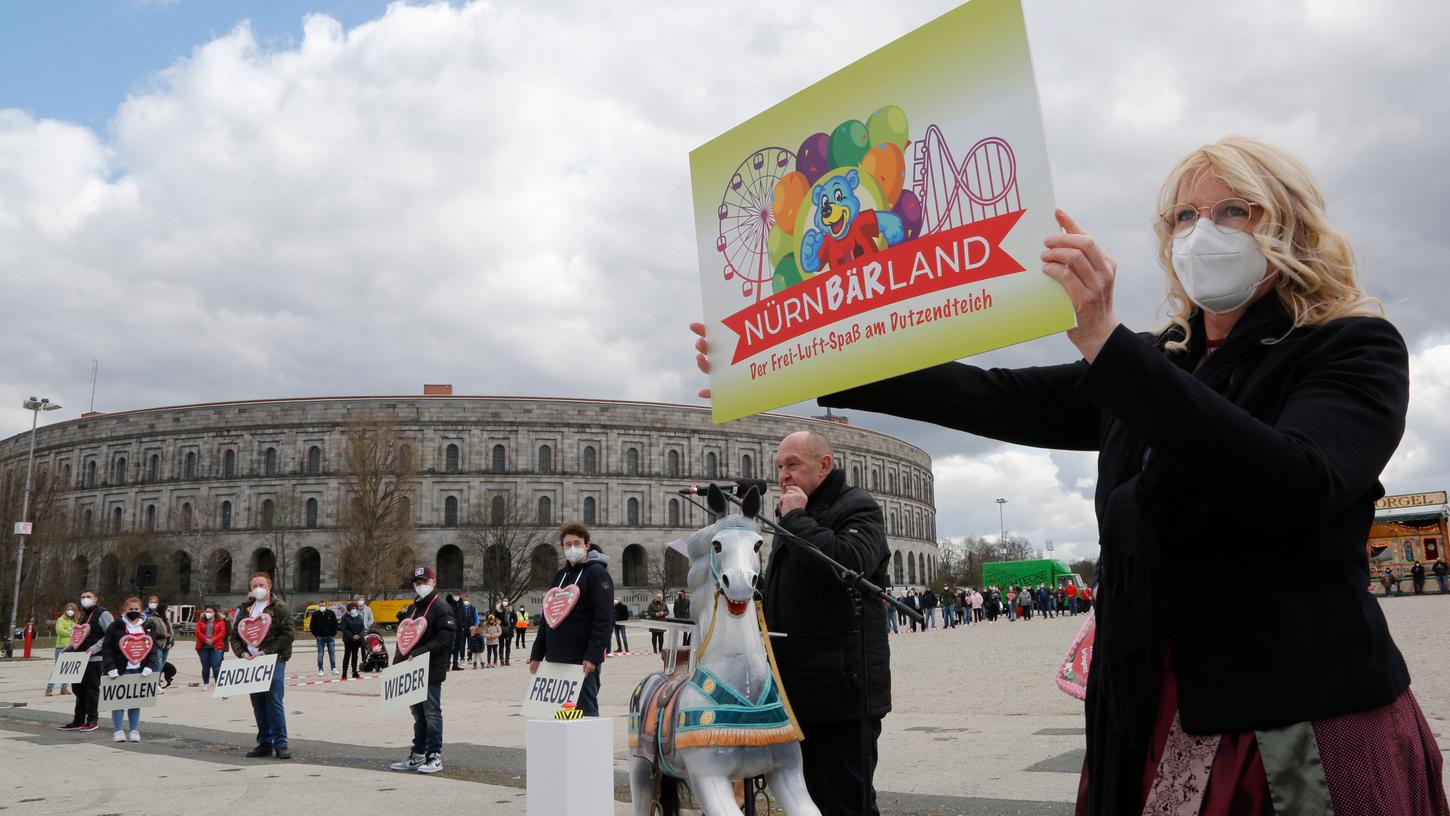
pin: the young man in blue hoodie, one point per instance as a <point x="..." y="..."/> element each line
<point x="582" y="636"/>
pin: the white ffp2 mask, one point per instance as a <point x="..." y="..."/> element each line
<point x="1219" y="271"/>
<point x="573" y="554"/>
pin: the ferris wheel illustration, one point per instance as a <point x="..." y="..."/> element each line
<point x="951" y="194"/>
<point x="746" y="219"/>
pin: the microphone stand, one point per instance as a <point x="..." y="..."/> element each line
<point x="858" y="588"/>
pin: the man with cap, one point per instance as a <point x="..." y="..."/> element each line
<point x="580" y="632"/>
<point x="427" y="629"/>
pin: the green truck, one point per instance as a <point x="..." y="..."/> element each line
<point x="1047" y="571"/>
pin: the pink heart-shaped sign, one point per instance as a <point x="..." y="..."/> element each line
<point x="135" y="647"/>
<point x="252" y="630"/>
<point x="78" y="634"/>
<point x="558" y="603"/>
<point x="409" y="633"/>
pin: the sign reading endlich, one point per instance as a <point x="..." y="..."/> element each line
<point x="239" y="675"/>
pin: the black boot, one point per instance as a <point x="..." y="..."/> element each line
<point x="260" y="751"/>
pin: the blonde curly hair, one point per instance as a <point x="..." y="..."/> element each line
<point x="1317" y="278"/>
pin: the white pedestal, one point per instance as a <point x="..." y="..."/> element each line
<point x="570" y="766"/>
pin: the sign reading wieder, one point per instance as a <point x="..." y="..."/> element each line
<point x="128" y="691"/>
<point x="552" y="687"/>
<point x="404" y="683"/>
<point x="880" y="221"/>
<point x="70" y="667"/>
<point x="241" y="676"/>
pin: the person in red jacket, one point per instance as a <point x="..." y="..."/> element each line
<point x="1071" y="591"/>
<point x="211" y="643"/>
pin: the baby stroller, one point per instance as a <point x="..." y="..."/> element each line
<point x="375" y="651"/>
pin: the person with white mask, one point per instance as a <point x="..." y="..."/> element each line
<point x="1255" y="425"/>
<point x="263" y="613"/>
<point x="88" y="636"/>
<point x="63" y="626"/>
<point x="426" y="631"/>
<point x="211" y="644"/>
<point x="581" y="633"/>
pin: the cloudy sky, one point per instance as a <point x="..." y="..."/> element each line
<point x="229" y="200"/>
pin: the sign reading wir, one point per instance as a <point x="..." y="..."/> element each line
<point x="70" y="667"/>
<point x="404" y="683"/>
<point x="241" y="676"/>
<point x="128" y="691"/>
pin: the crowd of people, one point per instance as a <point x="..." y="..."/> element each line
<point x="962" y="606"/>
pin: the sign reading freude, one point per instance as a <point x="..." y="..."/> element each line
<point x="241" y="676"/>
<point x="404" y="683"/>
<point x="552" y="687"/>
<point x="883" y="220"/>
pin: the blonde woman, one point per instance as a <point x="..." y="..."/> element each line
<point x="1249" y="433"/>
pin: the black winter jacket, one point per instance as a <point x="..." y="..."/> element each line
<point x="438" y="635"/>
<point x="1266" y="453"/>
<point x="820" y="656"/>
<point x="352" y="627"/>
<point x="584" y="635"/>
<point x="111" y="657"/>
<point x="324" y="623"/>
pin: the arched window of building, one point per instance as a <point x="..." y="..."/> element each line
<point x="450" y="511"/>
<point x="269" y="462"/>
<point x="546" y="459"/>
<point x="674" y="513"/>
<point x="314" y="461"/>
<point x="229" y="463"/>
<point x="226" y="515"/>
<point x="405" y="509"/>
<point x="635" y="571"/>
<point x="747" y="467"/>
<point x="546" y="510"/>
<point x="497" y="510"/>
<point x="186" y="518"/>
<point x="309" y="570"/>
<point x="268" y="511"/>
<point x="91" y="473"/>
<point x="896" y="567"/>
<point x="631" y="461"/>
<point x="153" y="468"/>
<point x="181" y="562"/>
<point x="543" y="563"/>
<point x="87" y="523"/>
<point x="856" y="475"/>
<point x="631" y="512"/>
<point x="891" y="482"/>
<point x="120" y="475"/>
<point x="311" y="514"/>
<point x="712" y="466"/>
<point x="405" y="458"/>
<point x="591" y="510"/>
<point x="911" y="568"/>
<point x="500" y="459"/>
<point x="591" y="460"/>
<point x="221" y="571"/>
<point x="450" y="567"/>
<point x="110" y="575"/>
<point x="264" y="560"/>
<point x="116" y="516"/>
<point x="190" y="470"/>
<point x="150" y="518"/>
<point x="677" y="568"/>
<point x="672" y="464"/>
<point x="450" y="459"/>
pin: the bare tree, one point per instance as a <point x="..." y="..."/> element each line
<point x="278" y="533"/>
<point x="666" y="574"/>
<point x="1086" y="568"/>
<point x="375" y="535"/>
<point x="505" y="535"/>
<point x="41" y="589"/>
<point x="190" y="525"/>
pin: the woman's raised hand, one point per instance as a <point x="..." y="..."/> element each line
<point x="1086" y="273"/>
<point x="701" y="349"/>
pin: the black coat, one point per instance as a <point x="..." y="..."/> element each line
<point x="111" y="657"/>
<point x="323" y="623"/>
<point x="438" y="635"/>
<point x="584" y="635"/>
<point x="803" y="599"/>
<point x="1267" y="453"/>
<point x="352" y="627"/>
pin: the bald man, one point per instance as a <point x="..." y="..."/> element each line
<point x="820" y="656"/>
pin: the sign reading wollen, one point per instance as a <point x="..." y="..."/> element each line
<point x="128" y="691"/>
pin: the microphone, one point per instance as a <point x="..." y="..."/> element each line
<point x="740" y="487"/>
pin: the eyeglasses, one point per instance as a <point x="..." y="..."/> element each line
<point x="1230" y="215"/>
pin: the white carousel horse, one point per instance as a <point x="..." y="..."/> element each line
<point x="728" y="719"/>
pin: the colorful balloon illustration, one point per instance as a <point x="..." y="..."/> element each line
<point x="848" y="144"/>
<point x="888" y="126"/>
<point x="787" y="274"/>
<point x="785" y="203"/>
<point x="908" y="208"/>
<point x="887" y="166"/>
<point x="778" y="244"/>
<point x="813" y="159"/>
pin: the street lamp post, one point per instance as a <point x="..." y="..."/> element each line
<point x="1002" y="524"/>
<point x="21" y="530"/>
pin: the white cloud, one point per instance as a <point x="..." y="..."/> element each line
<point x="496" y="195"/>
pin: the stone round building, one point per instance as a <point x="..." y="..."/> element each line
<point x="209" y="493"/>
